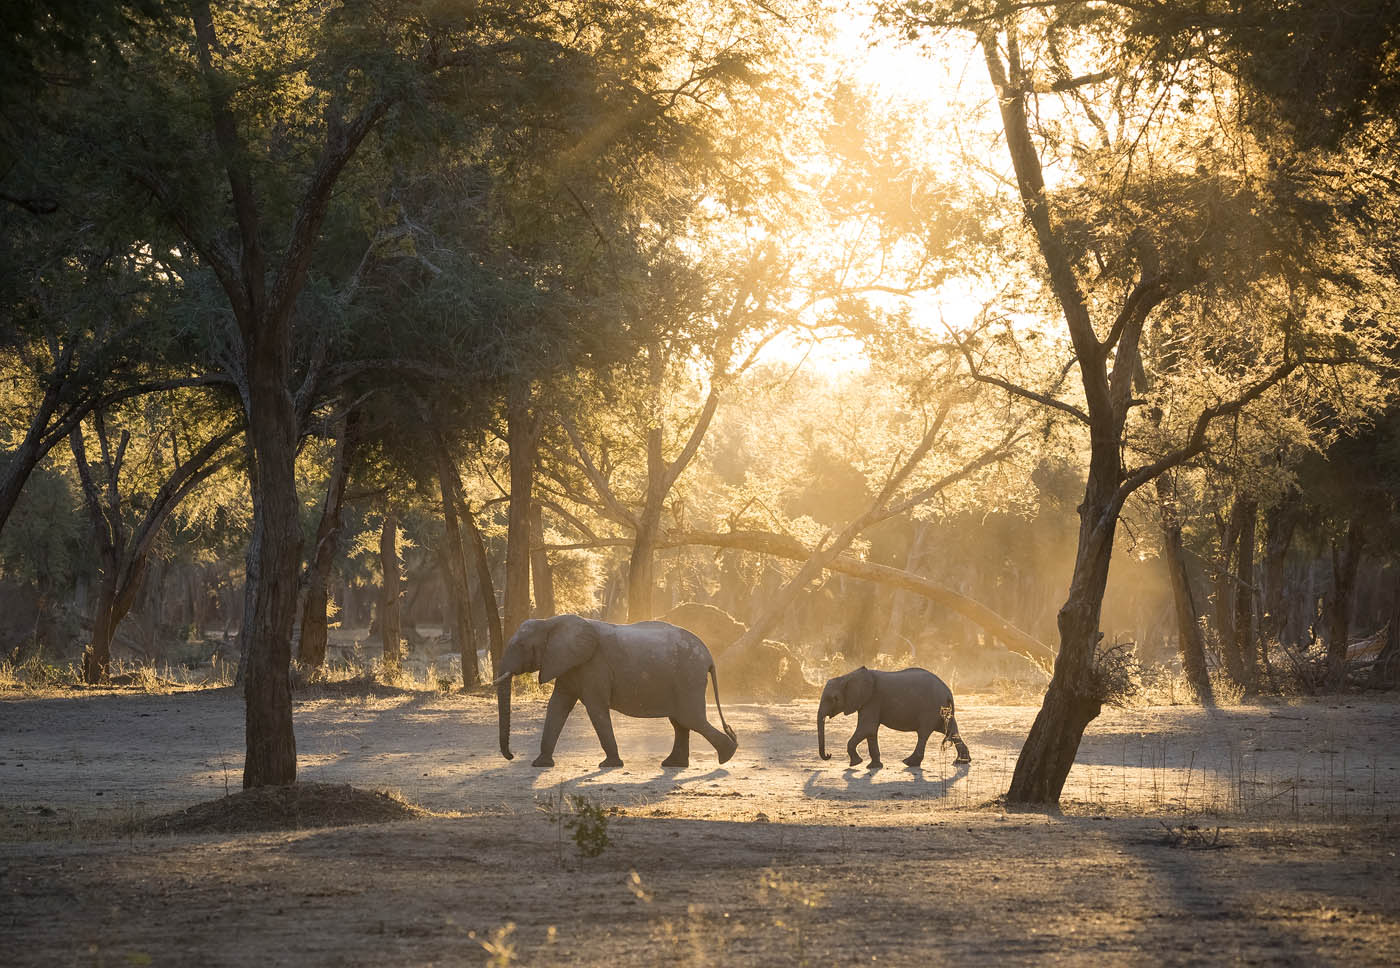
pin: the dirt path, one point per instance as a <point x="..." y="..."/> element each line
<point x="774" y="858"/>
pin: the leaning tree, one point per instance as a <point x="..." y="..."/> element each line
<point x="1153" y="205"/>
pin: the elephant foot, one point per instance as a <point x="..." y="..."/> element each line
<point x="856" y="760"/>
<point x="727" y="753"/>
<point x="610" y="761"/>
<point x="913" y="760"/>
<point x="675" y="762"/>
<point x="876" y="765"/>
<point x="543" y="760"/>
<point x="963" y="758"/>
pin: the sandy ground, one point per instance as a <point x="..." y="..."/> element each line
<point x="1263" y="834"/>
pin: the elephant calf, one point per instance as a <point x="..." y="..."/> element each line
<point x="911" y="700"/>
<point x="648" y="669"/>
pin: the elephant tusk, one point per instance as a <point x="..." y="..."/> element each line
<point x="504" y="677"/>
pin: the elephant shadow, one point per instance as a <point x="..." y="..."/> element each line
<point x="886" y="783"/>
<point x="666" y="779"/>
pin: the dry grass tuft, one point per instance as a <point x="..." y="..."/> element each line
<point x="293" y="807"/>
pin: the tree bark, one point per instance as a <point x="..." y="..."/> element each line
<point x="1346" y="558"/>
<point x="482" y="567"/>
<point x="641" y="566"/>
<point x="520" y="438"/>
<point x="1385" y="674"/>
<point x="1244" y="596"/>
<point x="97" y="657"/>
<point x="1190" y="642"/>
<point x="1280" y="521"/>
<point x="1073" y="699"/>
<point x="390" y="622"/>
<point x="899" y="600"/>
<point x="541" y="577"/>
<point x="311" y="647"/>
<point x="274" y="556"/>
<point x="1225" y="595"/>
<point x="458" y="590"/>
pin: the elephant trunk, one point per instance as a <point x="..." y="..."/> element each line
<point x="503" y="714"/>
<point x="821" y="734"/>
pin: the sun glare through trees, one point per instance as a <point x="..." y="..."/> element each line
<point x="1011" y="385"/>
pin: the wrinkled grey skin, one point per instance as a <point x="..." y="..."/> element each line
<point x="648" y="670"/>
<point x="911" y="700"/>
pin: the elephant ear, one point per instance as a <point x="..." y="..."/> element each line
<point x="859" y="688"/>
<point x="570" y="643"/>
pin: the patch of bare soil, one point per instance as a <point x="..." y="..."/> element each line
<point x="293" y="807"/>
<point x="1261" y="834"/>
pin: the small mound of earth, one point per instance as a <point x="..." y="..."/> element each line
<point x="290" y="807"/>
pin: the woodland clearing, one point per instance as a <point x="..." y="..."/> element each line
<point x="1261" y="833"/>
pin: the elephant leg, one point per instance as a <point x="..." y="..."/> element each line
<point x="601" y="717"/>
<point x="561" y="703"/>
<point x="693" y="717"/>
<point x="680" y="750"/>
<point x="867" y="725"/>
<point x="952" y="733"/>
<point x="917" y="757"/>
<point x="873" y="744"/>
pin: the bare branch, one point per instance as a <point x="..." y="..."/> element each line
<point x="1044" y="399"/>
<point x="599" y="482"/>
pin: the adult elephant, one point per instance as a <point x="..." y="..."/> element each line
<point x="648" y="670"/>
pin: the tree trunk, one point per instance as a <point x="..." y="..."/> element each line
<point x="314" y="621"/>
<point x="274" y="556"/>
<point x="390" y="623"/>
<point x="1190" y="642"/>
<point x="1345" y="560"/>
<point x="900" y="600"/>
<point x="1244" y="596"/>
<point x="1385" y="674"/>
<point x="97" y="657"/>
<point x="520" y="439"/>
<point x="641" y="567"/>
<point x="1279" y="524"/>
<point x="1225" y="596"/>
<point x="39" y="437"/>
<point x="482" y="568"/>
<point x="540" y="574"/>
<point x="1073" y="701"/>
<point x="455" y="574"/>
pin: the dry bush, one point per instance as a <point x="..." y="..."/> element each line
<point x="1115" y="677"/>
<point x="33" y="673"/>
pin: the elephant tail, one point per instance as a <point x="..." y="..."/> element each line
<point x="952" y="735"/>
<point x="714" y="678"/>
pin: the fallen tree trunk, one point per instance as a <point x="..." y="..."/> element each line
<point x="781" y="546"/>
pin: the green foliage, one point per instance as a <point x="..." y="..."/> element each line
<point x="589" y="824"/>
<point x="45" y="540"/>
<point x="585" y="819"/>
